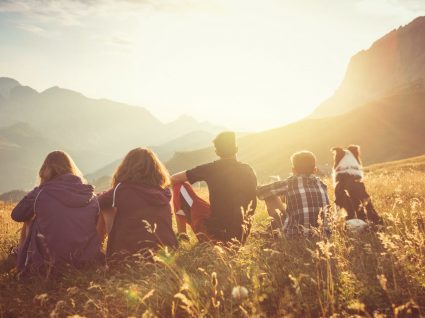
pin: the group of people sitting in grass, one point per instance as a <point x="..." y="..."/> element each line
<point x="65" y="221"/>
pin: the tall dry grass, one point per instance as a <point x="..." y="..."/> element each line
<point x="367" y="275"/>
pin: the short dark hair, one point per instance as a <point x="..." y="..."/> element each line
<point x="303" y="162"/>
<point x="225" y="144"/>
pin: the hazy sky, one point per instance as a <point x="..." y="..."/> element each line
<point x="248" y="65"/>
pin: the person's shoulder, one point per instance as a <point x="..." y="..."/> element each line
<point x="210" y="164"/>
<point x="202" y="169"/>
<point x="111" y="189"/>
<point x="205" y="165"/>
<point x="36" y="189"/>
<point x="35" y="192"/>
<point x="292" y="178"/>
<point x="245" y="166"/>
<point x="319" y="180"/>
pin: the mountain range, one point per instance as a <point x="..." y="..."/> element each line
<point x="387" y="129"/>
<point x="393" y="62"/>
<point x="95" y="132"/>
<point x="379" y="105"/>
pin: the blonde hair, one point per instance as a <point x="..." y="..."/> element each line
<point x="304" y="162"/>
<point x="58" y="163"/>
<point x="142" y="166"/>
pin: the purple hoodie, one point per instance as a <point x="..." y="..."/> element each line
<point x="64" y="227"/>
<point x="141" y="210"/>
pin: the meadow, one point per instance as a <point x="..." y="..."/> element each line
<point x="368" y="275"/>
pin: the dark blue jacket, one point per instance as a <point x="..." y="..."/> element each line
<point x="64" y="227"/>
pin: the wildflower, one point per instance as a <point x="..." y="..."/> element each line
<point x="382" y="281"/>
<point x="72" y="291"/>
<point x="214" y="281"/>
<point x="239" y="293"/>
<point x="41" y="299"/>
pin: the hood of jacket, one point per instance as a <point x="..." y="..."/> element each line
<point x="154" y="195"/>
<point x="69" y="190"/>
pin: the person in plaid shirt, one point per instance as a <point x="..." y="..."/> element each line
<point x="305" y="196"/>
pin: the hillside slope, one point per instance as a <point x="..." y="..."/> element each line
<point x="21" y="155"/>
<point x="394" y="61"/>
<point x="387" y="129"/>
<point x="409" y="164"/>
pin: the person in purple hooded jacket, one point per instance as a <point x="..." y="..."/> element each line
<point x="60" y="217"/>
<point x="139" y="202"/>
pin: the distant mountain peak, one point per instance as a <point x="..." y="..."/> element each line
<point x="417" y="25"/>
<point x="184" y="119"/>
<point x="9" y="80"/>
<point x="395" y="60"/>
<point x="7" y="84"/>
<point x="417" y="22"/>
<point x="58" y="91"/>
<point x="22" y="92"/>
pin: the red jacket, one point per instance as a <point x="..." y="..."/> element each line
<point x="191" y="207"/>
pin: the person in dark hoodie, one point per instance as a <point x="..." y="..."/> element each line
<point x="139" y="202"/>
<point x="60" y="217"/>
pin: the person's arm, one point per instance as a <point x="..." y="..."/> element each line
<point x="199" y="173"/>
<point x="253" y="195"/>
<point x="101" y="227"/>
<point x="276" y="210"/>
<point x="180" y="177"/>
<point x="24" y="210"/>
<point x="26" y="227"/>
<point x="278" y="188"/>
<point x="181" y="224"/>
<point x="108" y="212"/>
<point x="271" y="193"/>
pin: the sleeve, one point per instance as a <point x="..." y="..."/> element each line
<point x="106" y="199"/>
<point x="199" y="173"/>
<point x="24" y="210"/>
<point x="274" y="189"/>
<point x="253" y="195"/>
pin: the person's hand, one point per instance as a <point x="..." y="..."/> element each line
<point x="183" y="237"/>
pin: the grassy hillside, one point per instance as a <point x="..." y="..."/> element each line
<point x="387" y="129"/>
<point x="410" y="164"/>
<point x="371" y="275"/>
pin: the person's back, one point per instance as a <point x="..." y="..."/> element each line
<point x="305" y="196"/>
<point x="231" y="186"/>
<point x="63" y="231"/>
<point x="143" y="219"/>
<point x="232" y="191"/>
<point x="141" y="204"/>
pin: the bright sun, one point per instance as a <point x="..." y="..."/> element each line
<point x="246" y="65"/>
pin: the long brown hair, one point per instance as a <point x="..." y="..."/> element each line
<point x="58" y="163"/>
<point x="141" y="166"/>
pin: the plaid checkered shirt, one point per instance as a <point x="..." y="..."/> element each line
<point x="306" y="198"/>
